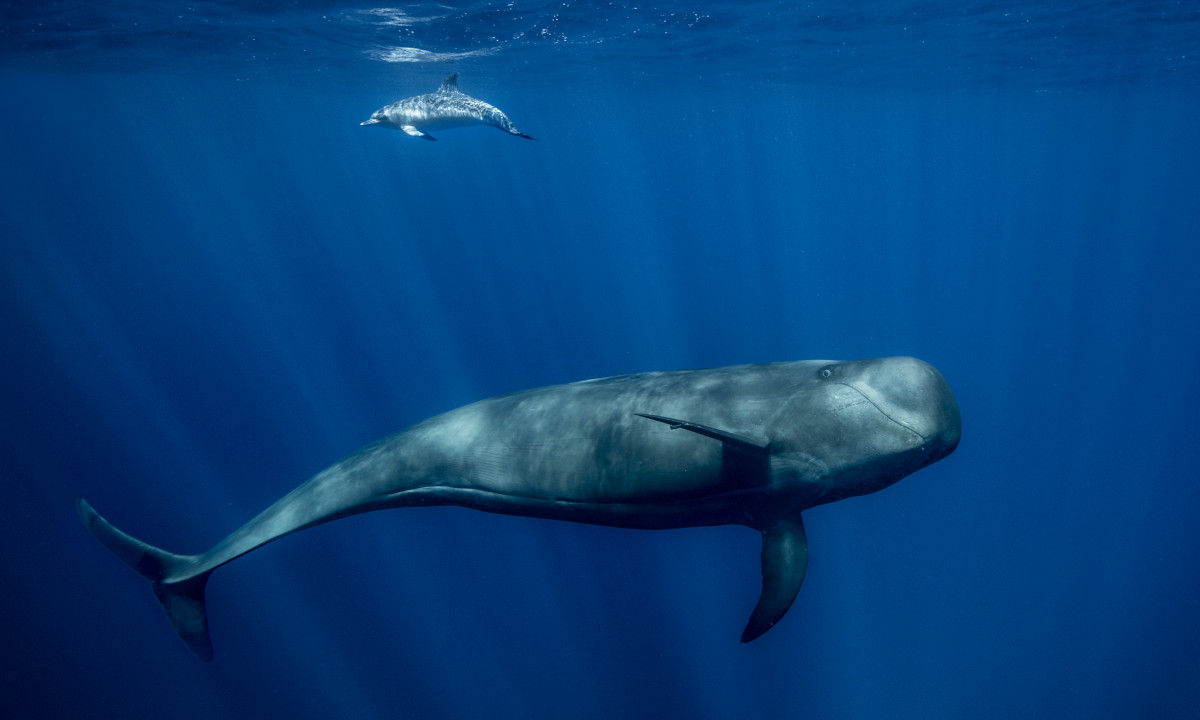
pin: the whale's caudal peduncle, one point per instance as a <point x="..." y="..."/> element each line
<point x="751" y="445"/>
<point x="446" y="108"/>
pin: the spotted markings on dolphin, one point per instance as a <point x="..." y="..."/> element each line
<point x="446" y="108"/>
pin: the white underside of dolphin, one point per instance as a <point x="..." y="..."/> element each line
<point x="444" y="109"/>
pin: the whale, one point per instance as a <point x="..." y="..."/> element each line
<point x="446" y="108"/>
<point x="751" y="445"/>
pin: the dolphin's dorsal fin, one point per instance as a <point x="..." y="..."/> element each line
<point x="450" y="84"/>
<point x="745" y="444"/>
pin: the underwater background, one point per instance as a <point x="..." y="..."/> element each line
<point x="214" y="283"/>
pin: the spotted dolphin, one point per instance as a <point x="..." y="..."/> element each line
<point x="751" y="445"/>
<point x="446" y="108"/>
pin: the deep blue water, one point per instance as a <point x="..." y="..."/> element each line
<point x="214" y="283"/>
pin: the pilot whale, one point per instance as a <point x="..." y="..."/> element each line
<point x="446" y="108"/>
<point x="751" y="445"/>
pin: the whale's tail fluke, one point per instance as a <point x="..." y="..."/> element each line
<point x="181" y="593"/>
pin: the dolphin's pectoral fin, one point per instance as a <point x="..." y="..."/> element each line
<point x="411" y="130"/>
<point x="784" y="562"/>
<point x="745" y="444"/>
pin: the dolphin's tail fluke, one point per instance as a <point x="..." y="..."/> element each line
<point x="181" y="593"/>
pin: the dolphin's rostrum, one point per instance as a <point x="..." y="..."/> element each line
<point x="751" y="445"/>
<point x="446" y="108"/>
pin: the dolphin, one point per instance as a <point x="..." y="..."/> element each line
<point x="751" y="445"/>
<point x="445" y="108"/>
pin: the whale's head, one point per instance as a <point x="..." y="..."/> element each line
<point x="865" y="425"/>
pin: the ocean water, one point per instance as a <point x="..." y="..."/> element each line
<point x="215" y="283"/>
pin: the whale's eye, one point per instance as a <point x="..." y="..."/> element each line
<point x="826" y="372"/>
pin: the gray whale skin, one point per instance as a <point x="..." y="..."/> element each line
<point x="751" y="445"/>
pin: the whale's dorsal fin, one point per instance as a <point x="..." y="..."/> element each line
<point x="450" y="84"/>
<point x="784" y="563"/>
<point x="745" y="444"/>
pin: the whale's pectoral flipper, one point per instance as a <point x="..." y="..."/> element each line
<point x="182" y="597"/>
<point x="416" y="133"/>
<point x="745" y="444"/>
<point x="784" y="562"/>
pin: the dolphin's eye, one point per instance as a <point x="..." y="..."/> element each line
<point x="826" y="372"/>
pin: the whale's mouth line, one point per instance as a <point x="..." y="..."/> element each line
<point x="884" y="412"/>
